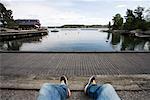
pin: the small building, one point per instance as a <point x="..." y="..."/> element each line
<point x="28" y="23"/>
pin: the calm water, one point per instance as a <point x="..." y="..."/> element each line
<point x="78" y="40"/>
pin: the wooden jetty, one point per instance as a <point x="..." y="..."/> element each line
<point x="22" y="74"/>
<point x="21" y="34"/>
<point x="43" y="65"/>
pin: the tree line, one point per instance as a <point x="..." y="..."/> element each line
<point x="134" y="19"/>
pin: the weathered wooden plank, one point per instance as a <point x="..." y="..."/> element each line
<point x="120" y="82"/>
<point x="44" y="65"/>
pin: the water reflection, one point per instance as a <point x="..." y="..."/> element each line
<point x="127" y="43"/>
<point x="17" y="44"/>
<point x="115" y="39"/>
<point x="77" y="40"/>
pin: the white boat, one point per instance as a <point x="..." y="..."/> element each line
<point x="55" y="30"/>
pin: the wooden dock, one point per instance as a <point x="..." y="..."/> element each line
<point x="22" y="74"/>
<point x="4" y="36"/>
<point x="44" y="65"/>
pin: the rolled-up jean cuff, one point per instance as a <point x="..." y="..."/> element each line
<point x="92" y="92"/>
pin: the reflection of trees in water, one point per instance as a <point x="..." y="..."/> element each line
<point x="16" y="44"/>
<point x="115" y="39"/>
<point x="108" y="36"/>
<point x="147" y="46"/>
<point x="129" y="43"/>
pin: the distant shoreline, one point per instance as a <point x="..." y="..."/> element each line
<point x="79" y="26"/>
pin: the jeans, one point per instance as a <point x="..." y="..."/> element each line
<point x="102" y="92"/>
<point x="60" y="92"/>
<point x="53" y="92"/>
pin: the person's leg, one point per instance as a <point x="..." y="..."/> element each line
<point x="91" y="91"/>
<point x="91" y="87"/>
<point x="102" y="92"/>
<point x="107" y="92"/>
<point x="55" y="91"/>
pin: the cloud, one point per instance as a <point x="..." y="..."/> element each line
<point x="51" y="13"/>
<point x="21" y="0"/>
<point x="59" y="12"/>
<point x="121" y="6"/>
<point x="88" y="0"/>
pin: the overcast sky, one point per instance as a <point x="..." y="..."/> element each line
<point x="60" y="12"/>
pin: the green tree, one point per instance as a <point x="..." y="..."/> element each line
<point x="129" y="13"/>
<point x="130" y="20"/>
<point x="147" y="17"/>
<point x="6" y="17"/>
<point x="135" y="20"/>
<point x="139" y="13"/>
<point x="118" y="21"/>
<point x="2" y="13"/>
<point x="129" y="24"/>
<point x="140" y="23"/>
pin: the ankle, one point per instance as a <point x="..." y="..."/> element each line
<point x="94" y="82"/>
<point x="62" y="82"/>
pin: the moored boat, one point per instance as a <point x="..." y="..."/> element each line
<point x="54" y="30"/>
